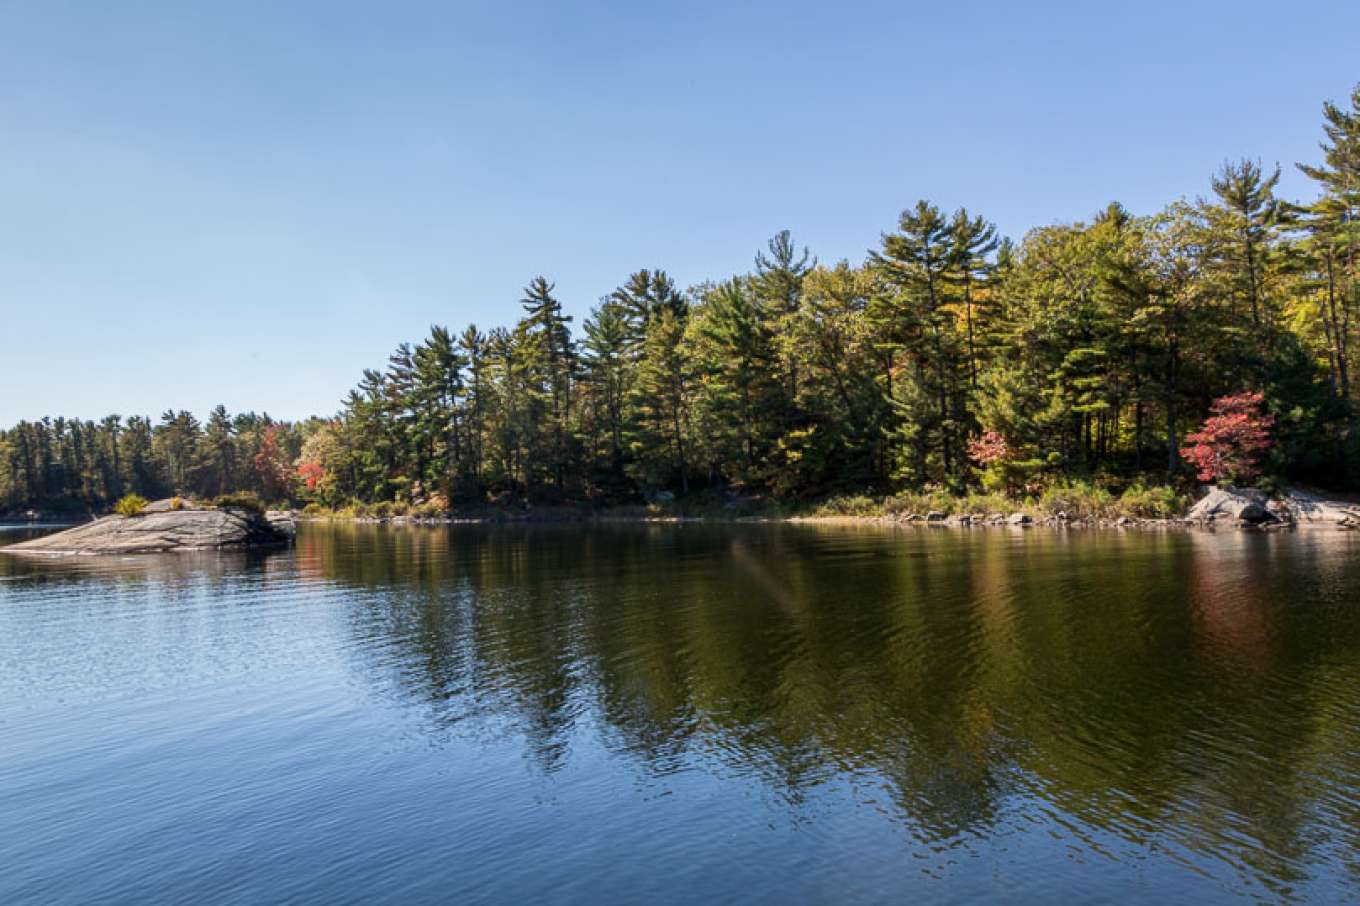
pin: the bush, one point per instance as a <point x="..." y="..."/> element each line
<point x="1159" y="502"/>
<point x="433" y="508"/>
<point x="920" y="502"/>
<point x="846" y="505"/>
<point x="1078" y="499"/>
<point x="988" y="504"/>
<point x="245" y="500"/>
<point x="131" y="505"/>
<point x="1232" y="442"/>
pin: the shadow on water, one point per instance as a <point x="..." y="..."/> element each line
<point x="1195" y="693"/>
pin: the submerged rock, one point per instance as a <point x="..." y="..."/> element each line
<point x="165" y="530"/>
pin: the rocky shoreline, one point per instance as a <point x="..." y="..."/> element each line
<point x="1220" y="508"/>
<point x="167" y="527"/>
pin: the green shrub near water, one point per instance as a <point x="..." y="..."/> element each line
<point x="849" y="505"/>
<point x="245" y="500"/>
<point x="1078" y="499"/>
<point x="921" y="502"/>
<point x="131" y="505"/>
<point x="1157" y="502"/>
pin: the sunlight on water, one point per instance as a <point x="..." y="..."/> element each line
<point x="685" y="713"/>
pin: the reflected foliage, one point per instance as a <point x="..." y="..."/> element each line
<point x="1195" y="693"/>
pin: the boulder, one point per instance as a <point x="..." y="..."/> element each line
<point x="164" y="530"/>
<point x="1243" y="504"/>
<point x="1019" y="519"/>
<point x="935" y="516"/>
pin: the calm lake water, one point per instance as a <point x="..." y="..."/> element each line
<point x="660" y="713"/>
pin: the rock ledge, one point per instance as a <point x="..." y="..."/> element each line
<point x="1248" y="507"/>
<point x="164" y="530"/>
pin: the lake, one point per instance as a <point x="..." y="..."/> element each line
<point x="686" y="713"/>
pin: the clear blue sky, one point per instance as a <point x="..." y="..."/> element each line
<point x="248" y="203"/>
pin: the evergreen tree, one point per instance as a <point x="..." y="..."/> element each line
<point x="607" y="370"/>
<point x="913" y="265"/>
<point x="661" y="401"/>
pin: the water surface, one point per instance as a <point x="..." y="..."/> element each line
<point x="686" y="714"/>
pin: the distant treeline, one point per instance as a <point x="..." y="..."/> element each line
<point x="949" y="357"/>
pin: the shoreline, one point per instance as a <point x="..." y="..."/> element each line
<point x="1157" y="509"/>
<point x="955" y="523"/>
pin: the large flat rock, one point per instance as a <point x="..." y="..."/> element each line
<point x="162" y="532"/>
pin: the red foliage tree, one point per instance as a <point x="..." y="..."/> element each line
<point x="989" y="448"/>
<point x="272" y="466"/>
<point x="1231" y="441"/>
<point x="311" y="473"/>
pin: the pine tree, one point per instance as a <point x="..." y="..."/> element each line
<point x="551" y="360"/>
<point x="741" y="388"/>
<point x="217" y="462"/>
<point x="607" y="373"/>
<point x="439" y="365"/>
<point x="472" y="344"/>
<point x="778" y="289"/>
<point x="661" y="402"/>
<point x="1245" y="225"/>
<point x="1333" y="226"/>
<point x="972" y="242"/>
<point x="913" y="265"/>
<point x="643" y="297"/>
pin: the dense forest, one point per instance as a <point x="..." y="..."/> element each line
<point x="949" y="358"/>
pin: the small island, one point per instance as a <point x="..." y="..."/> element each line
<point x="168" y="526"/>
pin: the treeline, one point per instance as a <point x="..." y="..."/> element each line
<point x="84" y="465"/>
<point x="949" y="357"/>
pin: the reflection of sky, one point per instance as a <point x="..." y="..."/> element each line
<point x="844" y="714"/>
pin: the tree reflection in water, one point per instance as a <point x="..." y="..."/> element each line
<point x="1192" y="693"/>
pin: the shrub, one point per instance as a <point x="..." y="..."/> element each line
<point x="988" y="448"/>
<point x="1158" y="502"/>
<point x="1079" y="500"/>
<point x="988" y="503"/>
<point x="131" y="505"/>
<point x="1232" y="441"/>
<point x="847" y="505"/>
<point x="433" y="508"/>
<point x="244" y="500"/>
<point x="177" y="502"/>
<point x="920" y="502"/>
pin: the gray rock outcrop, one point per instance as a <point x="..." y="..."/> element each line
<point x="165" y="530"/>
<point x="1251" y="507"/>
<point x="1308" y="507"/>
<point x="1244" y="504"/>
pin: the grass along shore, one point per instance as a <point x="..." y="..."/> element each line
<point x="1071" y="504"/>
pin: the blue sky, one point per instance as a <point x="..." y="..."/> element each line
<point x="248" y="203"/>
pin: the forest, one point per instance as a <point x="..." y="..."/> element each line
<point x="950" y="358"/>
